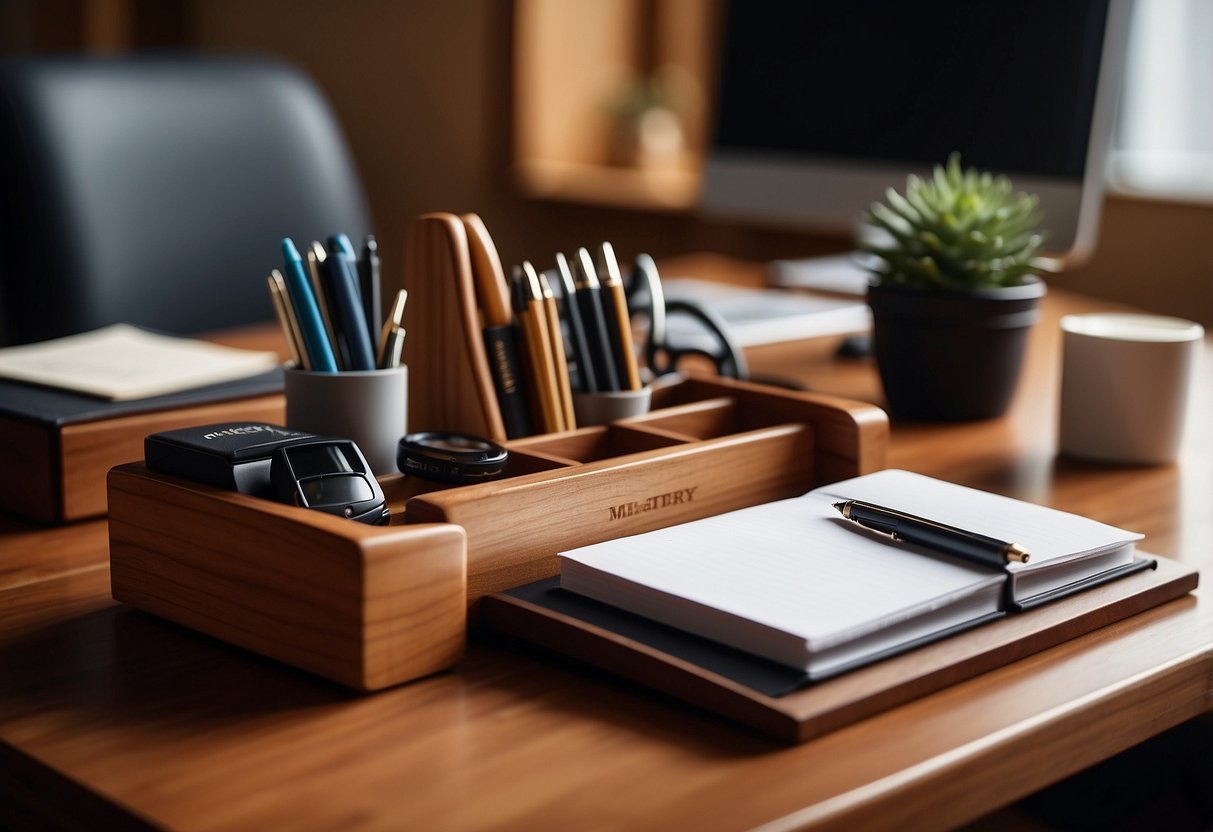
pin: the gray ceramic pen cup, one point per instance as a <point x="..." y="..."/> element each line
<point x="601" y="408"/>
<point x="367" y="406"/>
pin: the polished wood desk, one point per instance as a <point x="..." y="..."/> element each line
<point x="110" y="717"/>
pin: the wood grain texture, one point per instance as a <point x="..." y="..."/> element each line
<point x="827" y="706"/>
<point x="718" y="446"/>
<point x="32" y="485"/>
<point x="58" y="474"/>
<point x="99" y="702"/>
<point x="366" y="606"/>
<point x="450" y="385"/>
<point x="612" y="497"/>
<point x="90" y="449"/>
<point x="852" y="436"/>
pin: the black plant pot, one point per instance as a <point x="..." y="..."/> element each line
<point x="951" y="355"/>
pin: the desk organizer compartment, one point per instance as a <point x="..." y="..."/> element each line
<point x="366" y="606"/>
<point x="707" y="447"/>
<point x="374" y="606"/>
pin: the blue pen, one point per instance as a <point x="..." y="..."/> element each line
<point x="311" y="326"/>
<point x="351" y="320"/>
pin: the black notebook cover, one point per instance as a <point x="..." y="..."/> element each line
<point x="765" y="676"/>
<point x="760" y="674"/>
<point x="55" y="408"/>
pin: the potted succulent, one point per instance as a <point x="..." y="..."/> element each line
<point x="954" y="292"/>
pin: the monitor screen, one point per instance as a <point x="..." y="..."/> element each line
<point x="821" y="105"/>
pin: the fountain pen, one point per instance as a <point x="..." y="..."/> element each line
<point x="970" y="546"/>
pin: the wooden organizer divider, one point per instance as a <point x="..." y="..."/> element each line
<point x="371" y="606"/>
<point x="450" y="385"/>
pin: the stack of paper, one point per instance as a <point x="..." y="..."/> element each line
<point x="796" y="583"/>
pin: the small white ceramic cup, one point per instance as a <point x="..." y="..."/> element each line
<point x="601" y="408"/>
<point x="1124" y="385"/>
<point x="367" y="406"/>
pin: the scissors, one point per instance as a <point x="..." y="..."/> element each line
<point x="646" y="299"/>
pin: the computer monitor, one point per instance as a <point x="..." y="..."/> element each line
<point x="823" y="104"/>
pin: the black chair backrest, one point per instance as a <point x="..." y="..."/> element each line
<point x="156" y="190"/>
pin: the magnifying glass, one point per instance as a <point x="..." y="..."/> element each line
<point x="457" y="458"/>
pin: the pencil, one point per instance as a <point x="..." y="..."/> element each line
<point x="618" y="324"/>
<point x="286" y="318"/>
<point x="388" y="335"/>
<point x="315" y="271"/>
<point x="559" y="361"/>
<point x="533" y="323"/>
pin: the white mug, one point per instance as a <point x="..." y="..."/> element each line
<point x="1124" y="385"/>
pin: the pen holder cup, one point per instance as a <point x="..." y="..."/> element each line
<point x="368" y="406"/>
<point x="602" y="408"/>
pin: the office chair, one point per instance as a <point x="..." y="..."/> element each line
<point x="156" y="190"/>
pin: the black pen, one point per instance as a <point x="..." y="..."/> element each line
<point x="581" y="369"/>
<point x="349" y="316"/>
<point x="971" y="546"/>
<point x="368" y="284"/>
<point x="593" y="318"/>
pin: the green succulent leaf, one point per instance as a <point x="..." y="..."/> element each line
<point x="960" y="228"/>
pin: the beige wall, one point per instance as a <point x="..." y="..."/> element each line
<point x="1158" y="255"/>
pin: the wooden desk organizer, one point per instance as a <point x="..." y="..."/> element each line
<point x="370" y="607"/>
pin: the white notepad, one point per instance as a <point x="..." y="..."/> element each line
<point x="122" y="362"/>
<point x="796" y="583"/>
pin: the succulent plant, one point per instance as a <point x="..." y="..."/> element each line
<point x="960" y="229"/>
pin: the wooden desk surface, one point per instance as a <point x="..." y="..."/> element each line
<point x="110" y="716"/>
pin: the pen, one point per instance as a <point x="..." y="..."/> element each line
<point x="393" y="348"/>
<point x="971" y="546"/>
<point x="581" y="369"/>
<point x="391" y="337"/>
<point x="349" y="318"/>
<point x="618" y="323"/>
<point x="307" y="314"/>
<point x="589" y="302"/>
<point x="286" y="318"/>
<point x="368" y="279"/>
<point x="316" y="270"/>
